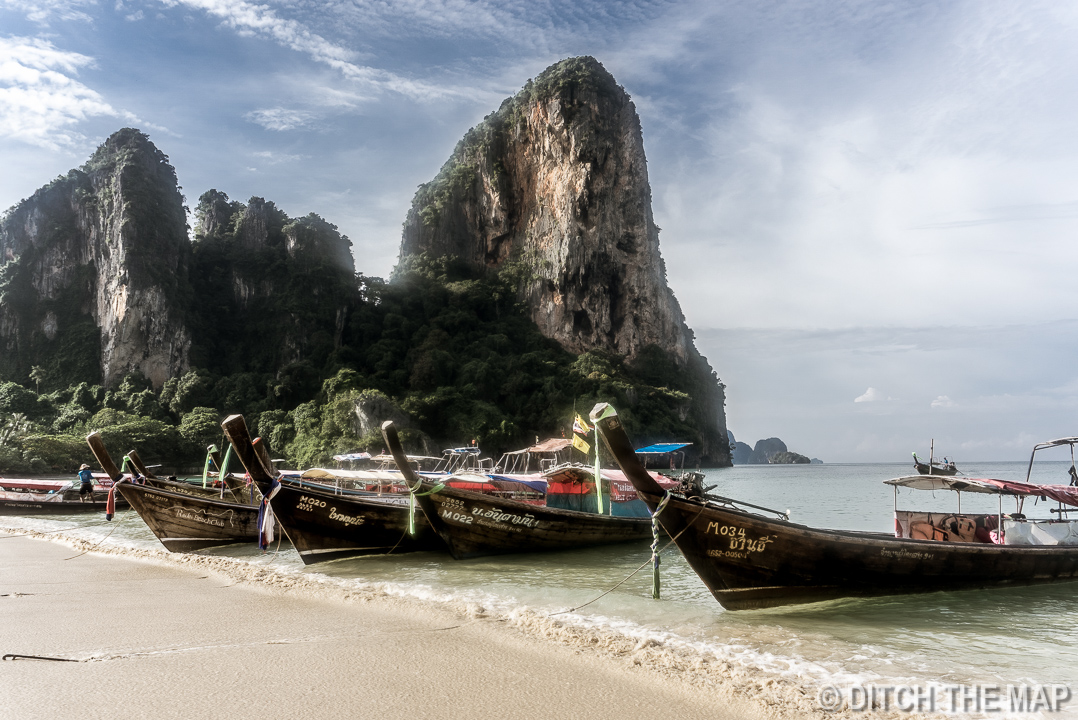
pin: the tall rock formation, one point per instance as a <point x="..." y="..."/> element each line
<point x="94" y="269"/>
<point x="273" y="291"/>
<point x="556" y="181"/>
<point x="766" y="449"/>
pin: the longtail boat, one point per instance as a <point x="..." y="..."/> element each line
<point x="475" y="524"/>
<point x="934" y="466"/>
<point x="51" y="497"/>
<point x="325" y="522"/>
<point x="185" y="516"/>
<point x="749" y="560"/>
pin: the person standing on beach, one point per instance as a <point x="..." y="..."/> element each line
<point x="87" y="487"/>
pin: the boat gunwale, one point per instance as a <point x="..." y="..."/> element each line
<point x="564" y="512"/>
<point x="155" y="489"/>
<point x="860" y="537"/>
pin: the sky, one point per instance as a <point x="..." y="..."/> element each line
<point x="868" y="209"/>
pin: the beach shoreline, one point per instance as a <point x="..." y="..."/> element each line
<point x="191" y="635"/>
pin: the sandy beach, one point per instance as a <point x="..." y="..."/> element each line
<point x="191" y="636"/>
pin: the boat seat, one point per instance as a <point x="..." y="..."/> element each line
<point x="944" y="527"/>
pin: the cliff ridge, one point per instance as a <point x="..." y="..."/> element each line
<point x="94" y="267"/>
<point x="555" y="182"/>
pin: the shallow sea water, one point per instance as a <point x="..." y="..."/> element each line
<point x="1011" y="636"/>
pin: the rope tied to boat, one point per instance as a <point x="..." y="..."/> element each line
<point x="412" y="495"/>
<point x="206" y="468"/>
<point x="110" y="501"/>
<point x="222" y="472"/>
<point x="655" y="560"/>
<point x="266" y="520"/>
<point x="102" y="541"/>
<point x="634" y="572"/>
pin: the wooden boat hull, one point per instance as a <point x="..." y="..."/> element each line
<point x="30" y="503"/>
<point x="184" y="520"/>
<point x="924" y="469"/>
<point x="327" y="525"/>
<point x="748" y="561"/>
<point x="475" y="525"/>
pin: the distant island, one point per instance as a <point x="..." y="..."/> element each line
<point x="770" y="451"/>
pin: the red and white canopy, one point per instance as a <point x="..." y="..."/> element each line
<point x="1065" y="494"/>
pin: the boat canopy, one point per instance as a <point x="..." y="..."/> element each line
<point x="504" y="482"/>
<point x="471" y="450"/>
<point x="388" y="459"/>
<point x="332" y="474"/>
<point x="942" y="482"/>
<point x="661" y="448"/>
<point x="1056" y="443"/>
<point x="552" y="445"/>
<point x="350" y="457"/>
<point x="1060" y="493"/>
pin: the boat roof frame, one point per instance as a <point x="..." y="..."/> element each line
<point x="1059" y="442"/>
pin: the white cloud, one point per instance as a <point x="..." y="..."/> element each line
<point x="274" y="158"/>
<point x="870" y="395"/>
<point x="882" y="145"/>
<point x="40" y="100"/>
<point x="280" y="118"/>
<point x="42" y="11"/>
<point x="943" y="402"/>
<point x="252" y="20"/>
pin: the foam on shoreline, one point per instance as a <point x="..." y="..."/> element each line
<point x="785" y="686"/>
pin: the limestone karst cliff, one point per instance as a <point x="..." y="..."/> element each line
<point x="273" y="290"/>
<point x="556" y="182"/>
<point x="94" y="267"/>
<point x="556" y="299"/>
<point x="98" y="277"/>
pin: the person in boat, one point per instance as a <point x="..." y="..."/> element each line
<point x="87" y="486"/>
<point x="1074" y="475"/>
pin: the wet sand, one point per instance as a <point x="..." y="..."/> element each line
<point x="189" y="636"/>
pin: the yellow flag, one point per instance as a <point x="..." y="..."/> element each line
<point x="580" y="426"/>
<point x="580" y="444"/>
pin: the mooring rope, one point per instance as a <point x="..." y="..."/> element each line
<point x="94" y="547"/>
<point x="634" y="572"/>
<point x="49" y="532"/>
<point x="655" y="544"/>
<point x="397" y="544"/>
<point x="412" y="495"/>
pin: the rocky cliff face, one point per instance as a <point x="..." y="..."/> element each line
<point x="556" y="181"/>
<point x="94" y="268"/>
<point x="273" y="290"/>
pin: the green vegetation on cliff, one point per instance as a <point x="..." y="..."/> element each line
<point x="450" y="354"/>
<point x="271" y="291"/>
<point x="271" y="319"/>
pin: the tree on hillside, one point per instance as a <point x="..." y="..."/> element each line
<point x="15" y="424"/>
<point x="37" y="374"/>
